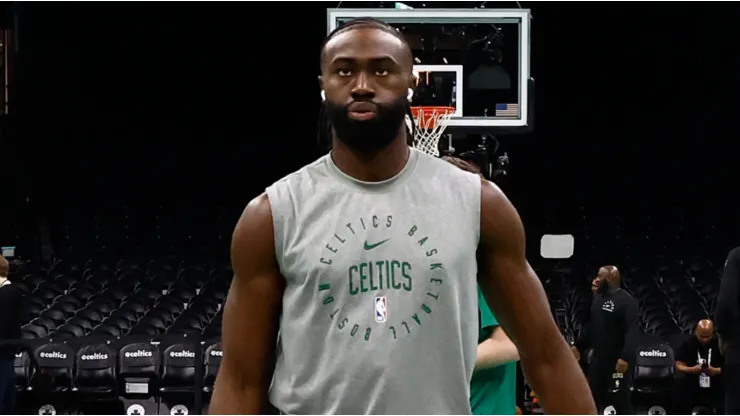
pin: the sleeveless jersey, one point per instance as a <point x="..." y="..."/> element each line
<point x="380" y="311"/>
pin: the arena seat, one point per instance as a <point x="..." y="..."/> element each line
<point x="23" y="371"/>
<point x="24" y="287"/>
<point x="69" y="331"/>
<point x="55" y="362"/>
<point x="45" y="323"/>
<point x="56" y="316"/>
<point x="52" y="382"/>
<point x="211" y="364"/>
<point x="95" y="372"/>
<point x="138" y="375"/>
<point x="67" y="308"/>
<point x="653" y="375"/>
<point x="178" y="377"/>
<point x="107" y="330"/>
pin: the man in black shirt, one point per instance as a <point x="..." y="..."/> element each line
<point x="727" y="317"/>
<point x="10" y="329"/>
<point x="612" y="332"/>
<point x="699" y="364"/>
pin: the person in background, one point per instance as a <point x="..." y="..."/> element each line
<point x="727" y="318"/>
<point x="612" y="332"/>
<point x="10" y="330"/>
<point x="700" y="363"/>
<point x="493" y="386"/>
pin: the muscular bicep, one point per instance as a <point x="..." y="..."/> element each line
<point x="251" y="314"/>
<point x="508" y="282"/>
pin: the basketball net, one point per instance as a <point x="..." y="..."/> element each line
<point x="431" y="122"/>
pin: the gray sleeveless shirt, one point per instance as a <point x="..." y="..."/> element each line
<point x="380" y="311"/>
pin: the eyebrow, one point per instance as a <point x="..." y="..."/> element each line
<point x="386" y="59"/>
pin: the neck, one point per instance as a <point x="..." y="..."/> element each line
<point x="373" y="166"/>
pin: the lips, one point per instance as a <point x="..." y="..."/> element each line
<point x="362" y="107"/>
<point x="362" y="111"/>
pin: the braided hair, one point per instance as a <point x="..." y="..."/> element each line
<point x="324" y="125"/>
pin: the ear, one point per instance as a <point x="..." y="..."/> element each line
<point x="321" y="85"/>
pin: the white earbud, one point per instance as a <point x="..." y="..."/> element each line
<point x="323" y="95"/>
<point x="411" y="94"/>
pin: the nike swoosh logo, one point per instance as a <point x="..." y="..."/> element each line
<point x="372" y="246"/>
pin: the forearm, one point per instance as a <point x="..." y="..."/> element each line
<point x="231" y="399"/>
<point x="682" y="367"/>
<point x="493" y="353"/>
<point x="559" y="381"/>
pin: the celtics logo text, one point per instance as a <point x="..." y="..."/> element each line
<point x="372" y="282"/>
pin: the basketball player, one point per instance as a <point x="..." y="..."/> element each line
<point x="493" y="387"/>
<point x="361" y="262"/>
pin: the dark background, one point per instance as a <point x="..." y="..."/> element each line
<point x="156" y="121"/>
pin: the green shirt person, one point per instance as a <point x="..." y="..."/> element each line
<point x="493" y="387"/>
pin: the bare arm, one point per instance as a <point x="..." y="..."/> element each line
<point x="683" y="368"/>
<point x="251" y="314"/>
<point x="519" y="302"/>
<point x="496" y="351"/>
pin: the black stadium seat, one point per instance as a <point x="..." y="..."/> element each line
<point x="178" y="382"/>
<point x="55" y="362"/>
<point x="212" y="362"/>
<point x="95" y="372"/>
<point x="138" y="375"/>
<point x="653" y="374"/>
<point x="23" y="371"/>
<point x="107" y="330"/>
<point x="53" y="379"/>
<point x="70" y="331"/>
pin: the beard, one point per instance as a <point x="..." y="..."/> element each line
<point x="368" y="135"/>
<point x="603" y="287"/>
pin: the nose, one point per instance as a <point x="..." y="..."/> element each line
<point x="362" y="89"/>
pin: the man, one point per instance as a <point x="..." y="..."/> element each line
<point x="727" y="316"/>
<point x="493" y="387"/>
<point x="699" y="362"/>
<point x="10" y="330"/>
<point x="362" y="262"/>
<point x="612" y="332"/>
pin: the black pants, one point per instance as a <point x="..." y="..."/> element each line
<point x="731" y="374"/>
<point x="689" y="394"/>
<point x="601" y="381"/>
<point x="7" y="386"/>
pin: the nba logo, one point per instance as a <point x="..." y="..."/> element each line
<point x="381" y="309"/>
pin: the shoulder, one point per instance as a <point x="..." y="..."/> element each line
<point x="627" y="296"/>
<point x="255" y="224"/>
<point x="440" y="169"/>
<point x="314" y="171"/>
<point x="500" y="222"/>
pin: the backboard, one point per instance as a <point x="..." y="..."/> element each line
<point x="476" y="60"/>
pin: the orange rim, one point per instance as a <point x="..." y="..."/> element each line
<point x="426" y="114"/>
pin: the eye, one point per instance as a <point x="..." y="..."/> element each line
<point x="381" y="72"/>
<point x="344" y="72"/>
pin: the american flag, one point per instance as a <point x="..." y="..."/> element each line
<point x="507" y="110"/>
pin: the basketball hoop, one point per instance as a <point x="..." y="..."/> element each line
<point x="431" y="122"/>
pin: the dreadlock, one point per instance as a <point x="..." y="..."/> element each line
<point x="324" y="127"/>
